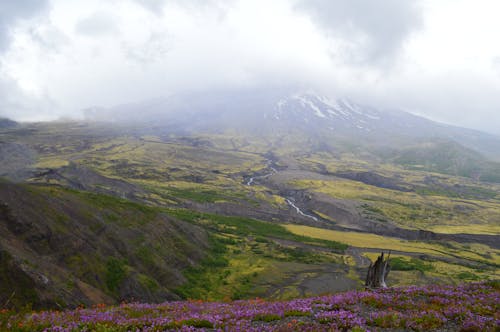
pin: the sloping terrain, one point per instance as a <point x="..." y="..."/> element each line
<point x="101" y="213"/>
<point x="7" y="123"/>
<point x="469" y="307"/>
<point x="63" y="248"/>
<point x="333" y="122"/>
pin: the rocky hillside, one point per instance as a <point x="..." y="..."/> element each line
<point x="63" y="248"/>
<point x="7" y="123"/>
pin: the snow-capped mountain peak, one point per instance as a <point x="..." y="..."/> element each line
<point x="265" y="111"/>
<point x="312" y="107"/>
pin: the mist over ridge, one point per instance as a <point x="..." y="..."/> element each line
<point x="264" y="111"/>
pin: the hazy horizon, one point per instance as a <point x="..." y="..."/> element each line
<point x="437" y="60"/>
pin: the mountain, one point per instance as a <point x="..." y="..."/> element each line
<point x="7" y="123"/>
<point x="326" y="123"/>
<point x="448" y="157"/>
<point x="263" y="111"/>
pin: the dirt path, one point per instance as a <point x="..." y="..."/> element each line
<point x="318" y="279"/>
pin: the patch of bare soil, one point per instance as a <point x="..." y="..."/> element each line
<point x="83" y="178"/>
<point x="310" y="280"/>
<point x="16" y="160"/>
<point x="376" y="180"/>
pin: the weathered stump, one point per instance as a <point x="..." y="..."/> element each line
<point x="377" y="272"/>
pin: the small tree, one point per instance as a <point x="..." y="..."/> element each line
<point x="377" y="272"/>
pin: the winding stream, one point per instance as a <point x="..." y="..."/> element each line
<point x="288" y="201"/>
<point x="273" y="171"/>
<point x="299" y="211"/>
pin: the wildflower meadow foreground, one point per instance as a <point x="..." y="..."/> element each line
<point x="468" y="307"/>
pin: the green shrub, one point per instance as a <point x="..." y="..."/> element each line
<point x="297" y="313"/>
<point x="198" y="323"/>
<point x="467" y="276"/>
<point x="115" y="273"/>
<point x="267" y="317"/>
<point x="401" y="264"/>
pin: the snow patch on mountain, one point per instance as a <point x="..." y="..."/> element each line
<point x="305" y="102"/>
<point x="311" y="108"/>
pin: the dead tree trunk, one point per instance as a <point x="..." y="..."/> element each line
<point x="377" y="272"/>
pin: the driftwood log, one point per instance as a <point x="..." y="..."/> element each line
<point x="377" y="272"/>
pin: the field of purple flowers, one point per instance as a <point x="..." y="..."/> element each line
<point x="468" y="307"/>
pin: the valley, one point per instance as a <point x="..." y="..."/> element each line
<point x="148" y="213"/>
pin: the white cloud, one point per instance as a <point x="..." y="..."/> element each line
<point x="366" y="32"/>
<point x="13" y="11"/>
<point x="436" y="58"/>
<point x="99" y="23"/>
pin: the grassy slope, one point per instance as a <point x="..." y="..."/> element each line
<point x="97" y="248"/>
<point x="81" y="247"/>
<point x="247" y="258"/>
<point x="475" y="252"/>
<point x="448" y="158"/>
<point x="434" y="201"/>
<point x="244" y="251"/>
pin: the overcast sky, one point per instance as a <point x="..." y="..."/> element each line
<point x="440" y="58"/>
